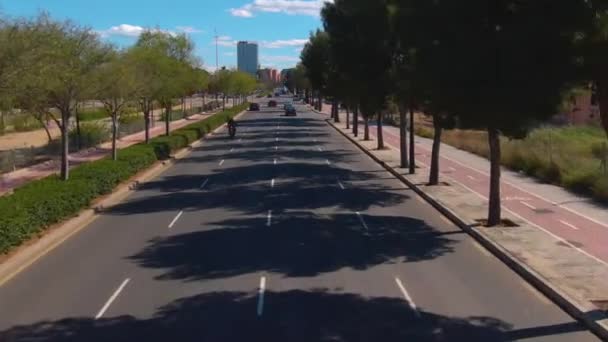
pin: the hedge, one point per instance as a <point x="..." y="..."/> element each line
<point x="39" y="204"/>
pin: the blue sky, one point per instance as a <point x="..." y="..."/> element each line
<point x="280" y="26"/>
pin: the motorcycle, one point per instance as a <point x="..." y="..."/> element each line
<point x="232" y="130"/>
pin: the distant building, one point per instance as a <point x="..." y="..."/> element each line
<point x="274" y="75"/>
<point x="269" y="75"/>
<point x="247" y="57"/>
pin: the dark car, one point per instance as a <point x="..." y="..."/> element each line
<point x="290" y="110"/>
<point x="272" y="103"/>
<point x="269" y="96"/>
<point x="254" y="107"/>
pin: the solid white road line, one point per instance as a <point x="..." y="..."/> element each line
<point x="569" y="225"/>
<point x="341" y="185"/>
<point x="407" y="297"/>
<point x="204" y="183"/>
<point x="112" y="298"/>
<point x="269" y="218"/>
<point x="272" y="183"/>
<point x="222" y="162"/>
<point x="528" y="205"/>
<point x="261" y="291"/>
<point x="362" y="221"/>
<point x="175" y="219"/>
<point x="471" y="178"/>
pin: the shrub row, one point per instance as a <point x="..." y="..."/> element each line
<point x="39" y="204"/>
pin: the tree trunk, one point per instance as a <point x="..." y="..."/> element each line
<point x="203" y="104"/>
<point x="412" y="143"/>
<point x="347" y="118"/>
<point x="114" y="137"/>
<point x="65" y="164"/>
<point x="335" y="107"/>
<point x="379" y="131"/>
<point x="78" y="135"/>
<point x="45" y="125"/>
<point x="167" y="119"/>
<point x="356" y="121"/>
<point x="184" y="114"/>
<point x="403" y="137"/>
<point x="494" y="214"/>
<point x="147" y="123"/>
<point x="2" y="123"/>
<point x="223" y="102"/>
<point x="320" y="100"/>
<point x="602" y="97"/>
<point x="366" y="128"/>
<point x="434" y="175"/>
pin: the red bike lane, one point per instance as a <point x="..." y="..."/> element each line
<point x="585" y="234"/>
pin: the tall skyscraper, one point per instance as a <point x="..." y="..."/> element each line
<point x="247" y="57"/>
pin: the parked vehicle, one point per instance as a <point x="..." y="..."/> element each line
<point x="254" y="107"/>
<point x="272" y="103"/>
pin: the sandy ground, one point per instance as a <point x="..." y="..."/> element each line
<point x="39" y="138"/>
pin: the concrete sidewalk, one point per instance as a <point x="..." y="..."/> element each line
<point x="571" y="278"/>
<point x="15" y="179"/>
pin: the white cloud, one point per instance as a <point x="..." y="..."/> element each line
<point x="241" y="12"/>
<point x="134" y="31"/>
<point x="225" y="41"/>
<point x="124" y="30"/>
<point x="284" y="43"/>
<point x="278" y="61"/>
<point x="188" y="29"/>
<point x="291" y="7"/>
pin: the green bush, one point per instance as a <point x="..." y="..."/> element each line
<point x="92" y="114"/>
<point x="91" y="134"/>
<point x="39" y="204"/>
<point x="25" y="123"/>
<point x="173" y="115"/>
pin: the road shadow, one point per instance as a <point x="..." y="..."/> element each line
<point x="294" y="316"/>
<point x="297" y="244"/>
<point x="242" y="189"/>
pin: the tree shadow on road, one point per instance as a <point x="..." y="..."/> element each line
<point x="299" y="186"/>
<point x="297" y="244"/>
<point x="294" y="316"/>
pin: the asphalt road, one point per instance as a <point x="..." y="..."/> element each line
<point x="286" y="233"/>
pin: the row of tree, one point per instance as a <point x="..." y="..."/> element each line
<point x="48" y="67"/>
<point x="500" y="66"/>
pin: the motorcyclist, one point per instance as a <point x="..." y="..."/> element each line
<point x="231" y="126"/>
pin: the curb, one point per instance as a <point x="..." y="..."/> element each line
<point x="35" y="249"/>
<point x="589" y="319"/>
